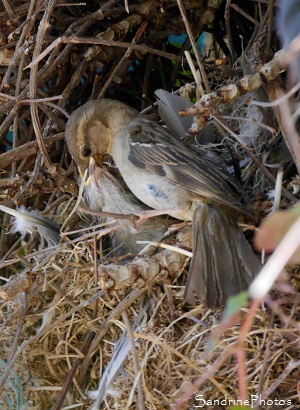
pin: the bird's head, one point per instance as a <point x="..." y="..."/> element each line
<point x="89" y="134"/>
<point x="91" y="128"/>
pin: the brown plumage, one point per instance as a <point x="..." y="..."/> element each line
<point x="164" y="173"/>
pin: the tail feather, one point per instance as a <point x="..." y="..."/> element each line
<point x="223" y="263"/>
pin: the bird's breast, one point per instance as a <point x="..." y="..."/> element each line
<point x="152" y="189"/>
<point x="157" y="192"/>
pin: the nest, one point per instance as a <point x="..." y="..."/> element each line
<point x="67" y="309"/>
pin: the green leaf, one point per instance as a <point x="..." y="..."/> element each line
<point x="234" y="304"/>
<point x="14" y="391"/>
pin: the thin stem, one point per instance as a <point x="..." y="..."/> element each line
<point x="194" y="45"/>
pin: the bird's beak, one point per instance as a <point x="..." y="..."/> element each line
<point x="84" y="174"/>
<point x="94" y="172"/>
<point x="87" y="173"/>
<point x="92" y="165"/>
<point x="81" y="171"/>
<point x="90" y="171"/>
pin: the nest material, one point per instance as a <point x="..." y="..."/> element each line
<point x="62" y="310"/>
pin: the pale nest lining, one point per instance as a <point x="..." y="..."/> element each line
<point x="66" y="311"/>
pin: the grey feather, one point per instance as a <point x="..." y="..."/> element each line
<point x="169" y="106"/>
<point x="224" y="263"/>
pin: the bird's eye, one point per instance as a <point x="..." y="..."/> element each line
<point x="87" y="151"/>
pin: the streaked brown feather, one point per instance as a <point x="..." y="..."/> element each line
<point x="153" y="148"/>
<point x="224" y="263"/>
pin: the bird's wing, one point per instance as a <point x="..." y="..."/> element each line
<point x="154" y="149"/>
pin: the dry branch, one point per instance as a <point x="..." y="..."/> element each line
<point x="209" y="104"/>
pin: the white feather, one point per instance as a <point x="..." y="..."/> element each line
<point x="122" y="348"/>
<point x="28" y="221"/>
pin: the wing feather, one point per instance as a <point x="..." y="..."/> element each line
<point x="154" y="149"/>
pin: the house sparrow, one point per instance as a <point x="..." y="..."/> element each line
<point x="104" y="192"/>
<point x="164" y="173"/>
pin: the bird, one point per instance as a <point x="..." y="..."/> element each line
<point x="106" y="193"/>
<point x="166" y="174"/>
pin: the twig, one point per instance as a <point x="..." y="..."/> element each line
<point x="194" y="45"/>
<point x="22" y="43"/>
<point x="167" y="246"/>
<point x="149" y="213"/>
<point x="71" y="374"/>
<point x="96" y="271"/>
<point x="192" y="388"/>
<point x="195" y="74"/>
<point x="125" y="56"/>
<point x="43" y="332"/>
<point x="99" y="41"/>
<point x="279" y="100"/>
<point x="25" y="150"/>
<point x="266" y="354"/>
<point x="78" y="200"/>
<point x="14" y="345"/>
<point x="16" y="119"/>
<point x="6" y="97"/>
<point x="265" y="170"/>
<point x="9" y="10"/>
<point x="8" y="182"/>
<point x="270" y="13"/>
<point x="44" y="24"/>
<point x="114" y="314"/>
<point x="228" y="31"/>
<point x="293" y="364"/>
<point x="288" y="131"/>
<point x="209" y="103"/>
<point x="141" y="405"/>
<point x="243" y="13"/>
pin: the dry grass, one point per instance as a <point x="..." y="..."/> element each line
<point x="61" y="313"/>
